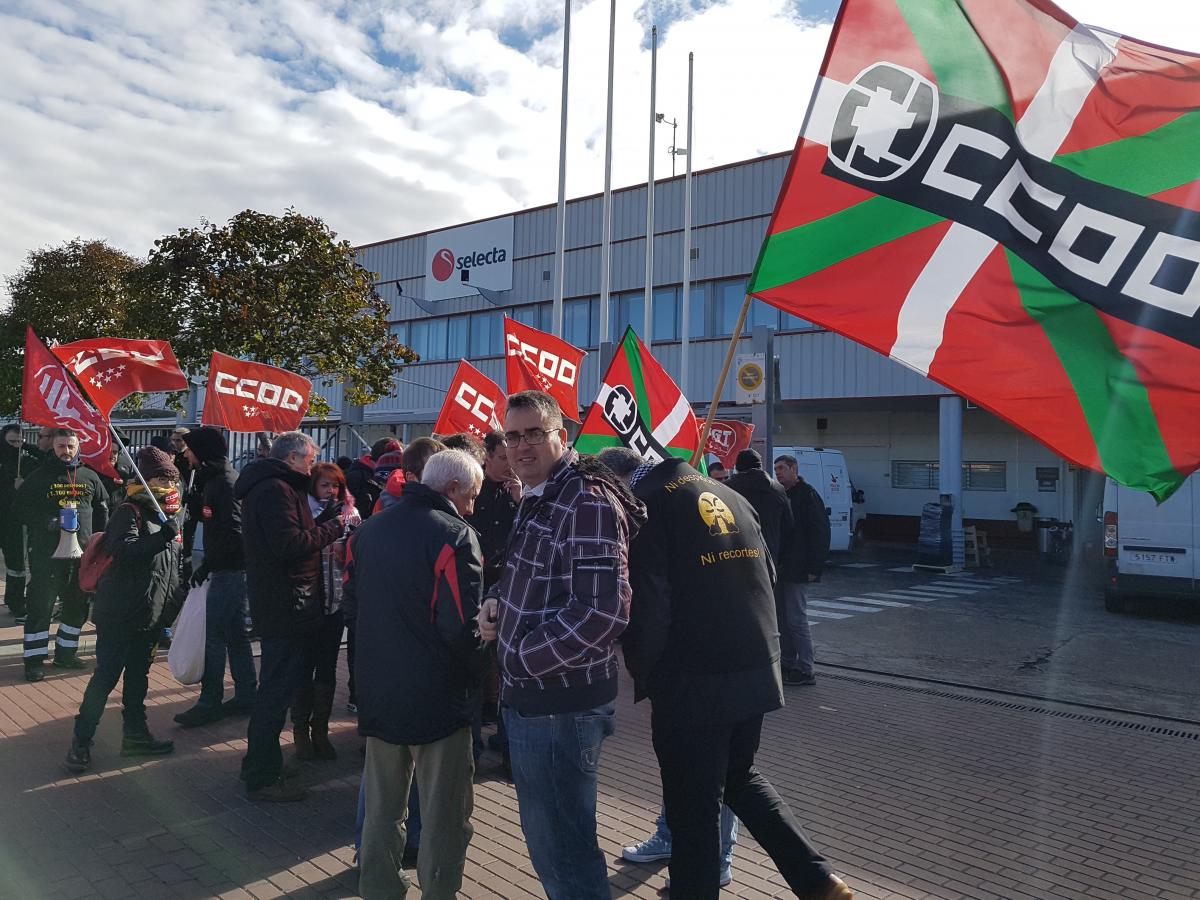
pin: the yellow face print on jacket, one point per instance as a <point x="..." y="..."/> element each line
<point x="716" y="515"/>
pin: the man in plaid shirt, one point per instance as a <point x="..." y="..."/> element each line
<point x="561" y="603"/>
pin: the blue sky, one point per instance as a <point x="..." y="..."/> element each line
<point x="127" y="119"/>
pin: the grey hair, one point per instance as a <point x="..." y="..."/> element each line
<point x="622" y="460"/>
<point x="291" y="442"/>
<point x="448" y="466"/>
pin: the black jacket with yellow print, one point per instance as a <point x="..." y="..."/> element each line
<point x="702" y="638"/>
<point x="42" y="494"/>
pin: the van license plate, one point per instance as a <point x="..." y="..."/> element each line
<point x="1153" y="557"/>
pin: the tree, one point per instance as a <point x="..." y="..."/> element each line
<point x="277" y="289"/>
<point x="67" y="293"/>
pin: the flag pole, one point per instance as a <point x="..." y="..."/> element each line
<point x="712" y="407"/>
<point x="560" y="226"/>
<point x="606" y="226"/>
<point x="686" y="299"/>
<point x="136" y="471"/>
<point x="648" y="303"/>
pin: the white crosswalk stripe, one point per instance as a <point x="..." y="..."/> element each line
<point x="872" y="601"/>
<point x="837" y="604"/>
<point x="821" y="614"/>
<point x="901" y="597"/>
<point x="906" y="595"/>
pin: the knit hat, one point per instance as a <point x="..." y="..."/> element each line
<point x="388" y="463"/>
<point x="748" y="459"/>
<point x="154" y="463"/>
<point x="384" y="446"/>
<point x="207" y="443"/>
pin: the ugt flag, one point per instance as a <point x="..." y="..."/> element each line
<point x="726" y="439"/>
<point x="537" y="361"/>
<point x="50" y="398"/>
<point x="1005" y="200"/>
<point x="639" y="406"/>
<point x="110" y="369"/>
<point x="474" y="404"/>
<point x="250" y="396"/>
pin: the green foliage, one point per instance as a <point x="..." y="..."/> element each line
<point x="277" y="289"/>
<point x="67" y="293"/>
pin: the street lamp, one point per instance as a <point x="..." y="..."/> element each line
<point x="661" y="119"/>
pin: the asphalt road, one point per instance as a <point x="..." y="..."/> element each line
<point x="1022" y="626"/>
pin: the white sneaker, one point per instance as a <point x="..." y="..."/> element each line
<point x="652" y="849"/>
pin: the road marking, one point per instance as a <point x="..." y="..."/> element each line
<point x="905" y="569"/>
<point x="834" y="604"/>
<point x="874" y="602"/>
<point x="905" y="595"/>
<point x="859" y="565"/>
<point x="818" y="614"/>
<point x="939" y="586"/>
<point x="944" y="592"/>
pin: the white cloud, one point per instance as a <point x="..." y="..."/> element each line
<point x="125" y="119"/>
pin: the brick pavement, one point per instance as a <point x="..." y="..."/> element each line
<point x="910" y="794"/>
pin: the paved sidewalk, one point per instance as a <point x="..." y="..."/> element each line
<point x="909" y="792"/>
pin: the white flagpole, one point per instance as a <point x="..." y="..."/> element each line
<point x="560" y="228"/>
<point x="606" y="238"/>
<point x="687" y="245"/>
<point x="648" y="321"/>
<point x="138" y="472"/>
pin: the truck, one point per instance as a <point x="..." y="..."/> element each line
<point x="1149" y="547"/>
<point x="826" y="471"/>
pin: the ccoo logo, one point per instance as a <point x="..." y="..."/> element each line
<point x="443" y="265"/>
<point x="885" y="122"/>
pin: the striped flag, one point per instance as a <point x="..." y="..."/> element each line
<point x="1004" y="200"/>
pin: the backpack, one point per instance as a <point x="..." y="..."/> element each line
<point x="96" y="559"/>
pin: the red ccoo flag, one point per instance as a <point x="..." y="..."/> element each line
<point x="110" y="369"/>
<point x="250" y="396"/>
<point x="727" y="439"/>
<point x="537" y="361"/>
<point x="474" y="404"/>
<point x="49" y="397"/>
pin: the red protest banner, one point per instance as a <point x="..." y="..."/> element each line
<point x="250" y="396"/>
<point x="110" y="369"/>
<point x="537" y="361"/>
<point x="474" y="404"/>
<point x="726" y="439"/>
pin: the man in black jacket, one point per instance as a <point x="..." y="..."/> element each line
<point x="769" y="500"/>
<point x="496" y="507"/>
<point x="702" y="644"/>
<point x="15" y="461"/>
<point x="283" y="546"/>
<point x="224" y="569"/>
<point x="418" y="675"/>
<point x="59" y="492"/>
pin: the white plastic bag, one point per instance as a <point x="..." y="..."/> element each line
<point x="186" y="656"/>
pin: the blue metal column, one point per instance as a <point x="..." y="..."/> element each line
<point x="950" y="467"/>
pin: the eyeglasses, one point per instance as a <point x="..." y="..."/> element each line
<point x="532" y="436"/>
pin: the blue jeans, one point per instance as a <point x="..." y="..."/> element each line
<point x="282" y="670"/>
<point x="729" y="832"/>
<point x="413" y="837"/>
<point x="225" y="635"/>
<point x="554" y="762"/>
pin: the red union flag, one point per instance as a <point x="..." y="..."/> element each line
<point x="250" y="396"/>
<point x="537" y="361"/>
<point x="1004" y="199"/>
<point x="110" y="369"/>
<point x="49" y="397"/>
<point x="727" y="439"/>
<point x="474" y="404"/>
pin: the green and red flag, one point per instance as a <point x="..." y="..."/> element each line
<point x="1005" y="200"/>
<point x="639" y="406"/>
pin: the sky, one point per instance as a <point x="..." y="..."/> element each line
<point x="128" y="119"/>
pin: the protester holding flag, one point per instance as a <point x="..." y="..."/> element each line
<point x="224" y="570"/>
<point x="130" y="599"/>
<point x="561" y="603"/>
<point x="14" y="459"/>
<point x="60" y="495"/>
<point x="283" y="544"/>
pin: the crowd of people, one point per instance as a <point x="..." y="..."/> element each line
<point x="476" y="582"/>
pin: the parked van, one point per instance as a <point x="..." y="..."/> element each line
<point x="826" y="471"/>
<point x="1150" y="548"/>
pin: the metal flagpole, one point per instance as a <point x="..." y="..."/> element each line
<point x="560" y="228"/>
<point x="687" y="247"/>
<point x="606" y="235"/>
<point x="136" y="471"/>
<point x="648" y="320"/>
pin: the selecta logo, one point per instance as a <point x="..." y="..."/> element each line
<point x="443" y="264"/>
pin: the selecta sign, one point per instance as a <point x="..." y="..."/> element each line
<point x="460" y="261"/>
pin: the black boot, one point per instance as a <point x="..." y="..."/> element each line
<point x="79" y="757"/>
<point x="322" y="708"/>
<point x="34" y="671"/>
<point x="142" y="743"/>
<point x="68" y="660"/>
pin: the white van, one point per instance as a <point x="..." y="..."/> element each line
<point x="826" y="471"/>
<point x="1150" y="548"/>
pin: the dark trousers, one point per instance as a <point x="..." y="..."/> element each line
<point x="281" y="671"/>
<point x="225" y="636"/>
<point x="314" y="697"/>
<point x="353" y="698"/>
<point x="12" y="544"/>
<point x="53" y="579"/>
<point x="120" y="649"/>
<point x="703" y="764"/>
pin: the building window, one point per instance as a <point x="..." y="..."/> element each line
<point x="428" y="338"/>
<point x="456" y="337"/>
<point x="985" y="476"/>
<point x="530" y="315"/>
<point x="761" y="314"/>
<point x="400" y="332"/>
<point x="697" y="313"/>
<point x="624" y="310"/>
<point x="487" y="334"/>
<point x="581" y="321"/>
<point x="919" y="475"/>
<point x="795" y="323"/>
<point x="666" y="314"/>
